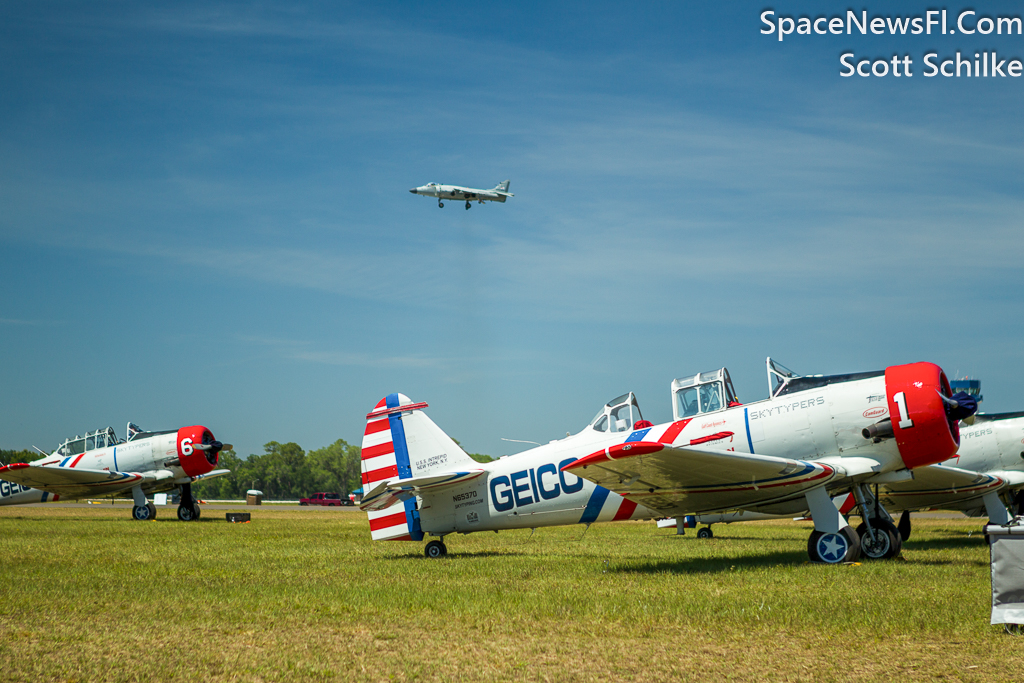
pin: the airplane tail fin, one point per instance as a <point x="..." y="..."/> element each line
<point x="400" y="442"/>
<point x="502" y="186"/>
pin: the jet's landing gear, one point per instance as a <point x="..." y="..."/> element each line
<point x="143" y="509"/>
<point x="879" y="537"/>
<point x="436" y="549"/>
<point x="440" y="204"/>
<point x="467" y="205"/>
<point x="904" y="525"/>
<point x="705" y="532"/>
<point x="188" y="508"/>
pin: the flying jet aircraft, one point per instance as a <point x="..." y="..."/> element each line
<point x="419" y="481"/>
<point x="799" y="445"/>
<point x="100" y="464"/>
<point x="499" y="193"/>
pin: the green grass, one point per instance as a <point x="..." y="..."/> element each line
<point x="88" y="594"/>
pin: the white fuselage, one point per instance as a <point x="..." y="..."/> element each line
<point x="455" y="192"/>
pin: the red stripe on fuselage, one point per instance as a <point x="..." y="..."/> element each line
<point x="626" y="510"/>
<point x="77" y="459"/>
<point x="673" y="430"/>
<point x="377" y="475"/>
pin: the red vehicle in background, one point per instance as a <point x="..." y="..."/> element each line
<point x="325" y="499"/>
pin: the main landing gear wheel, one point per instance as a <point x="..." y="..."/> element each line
<point x="887" y="543"/>
<point x="143" y="512"/>
<point x="152" y="510"/>
<point x="185" y="513"/>
<point x="467" y="205"/>
<point x="834" y="548"/>
<point x="435" y="549"/>
<point x="440" y="205"/>
<point x="705" y="532"/>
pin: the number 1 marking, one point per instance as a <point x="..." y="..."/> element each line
<point x="901" y="404"/>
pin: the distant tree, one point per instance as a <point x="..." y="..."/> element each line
<point x="479" y="457"/>
<point x="7" y="457"/>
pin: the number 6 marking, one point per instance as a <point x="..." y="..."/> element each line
<point x="186" y="444"/>
<point x="901" y="404"/>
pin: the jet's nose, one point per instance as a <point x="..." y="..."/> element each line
<point x="413" y="190"/>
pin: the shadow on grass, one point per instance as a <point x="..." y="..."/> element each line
<point x="704" y="566"/>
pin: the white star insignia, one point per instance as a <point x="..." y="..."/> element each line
<point x="833" y="547"/>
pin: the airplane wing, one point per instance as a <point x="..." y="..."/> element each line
<point x="692" y="479"/>
<point x="940" y="486"/>
<point x="387" y="493"/>
<point x="210" y="475"/>
<point x="72" y="483"/>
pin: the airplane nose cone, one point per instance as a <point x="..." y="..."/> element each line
<point x="413" y="190"/>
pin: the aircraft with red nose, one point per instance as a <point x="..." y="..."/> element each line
<point x="812" y="438"/>
<point x="100" y="465"/>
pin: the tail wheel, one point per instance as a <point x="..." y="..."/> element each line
<point x="834" y="548"/>
<point x="435" y="549"/>
<point x="706" y="532"/>
<point x="886" y="544"/>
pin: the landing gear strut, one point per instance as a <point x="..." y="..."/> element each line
<point x="879" y="537"/>
<point x="143" y="509"/>
<point x="435" y="549"/>
<point x="188" y="508"/>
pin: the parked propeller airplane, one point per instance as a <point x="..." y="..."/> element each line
<point x="99" y="465"/>
<point x="499" y="193"/>
<point x="450" y="492"/>
<point x="873" y="453"/>
<point x="800" y="444"/>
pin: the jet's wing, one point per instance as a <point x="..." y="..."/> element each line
<point x="387" y="493"/>
<point x="940" y="486"/>
<point x="73" y="483"/>
<point x="693" y="479"/>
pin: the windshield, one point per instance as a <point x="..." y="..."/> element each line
<point x="618" y="415"/>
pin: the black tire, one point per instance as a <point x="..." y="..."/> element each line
<point x="904" y="526"/>
<point x="435" y="549"/>
<point x="185" y="513"/>
<point x="467" y="206"/>
<point x="196" y="514"/>
<point x="834" y="548"/>
<point x="888" y="542"/>
<point x="440" y="205"/>
<point x="141" y="513"/>
<point x="152" y="510"/>
<point x="705" y="532"/>
<point x="303" y="504"/>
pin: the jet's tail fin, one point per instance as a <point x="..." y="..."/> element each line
<point x="502" y="186"/>
<point x="400" y="442"/>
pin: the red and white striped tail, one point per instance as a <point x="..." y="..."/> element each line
<point x="385" y="456"/>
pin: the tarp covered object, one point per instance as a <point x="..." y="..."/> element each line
<point x="1006" y="550"/>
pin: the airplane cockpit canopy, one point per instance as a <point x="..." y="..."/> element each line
<point x="705" y="392"/>
<point x="618" y="415"/>
<point x="101" y="438"/>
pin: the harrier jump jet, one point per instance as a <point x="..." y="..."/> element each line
<point x="499" y="193"/>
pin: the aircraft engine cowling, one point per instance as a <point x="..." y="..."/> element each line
<point x="924" y="430"/>
<point x="198" y="451"/>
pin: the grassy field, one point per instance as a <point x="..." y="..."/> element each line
<point x="301" y="594"/>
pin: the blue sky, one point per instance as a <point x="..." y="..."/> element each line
<point x="206" y="217"/>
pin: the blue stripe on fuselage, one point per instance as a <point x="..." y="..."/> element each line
<point x="594" y="505"/>
<point x="746" y="421"/>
